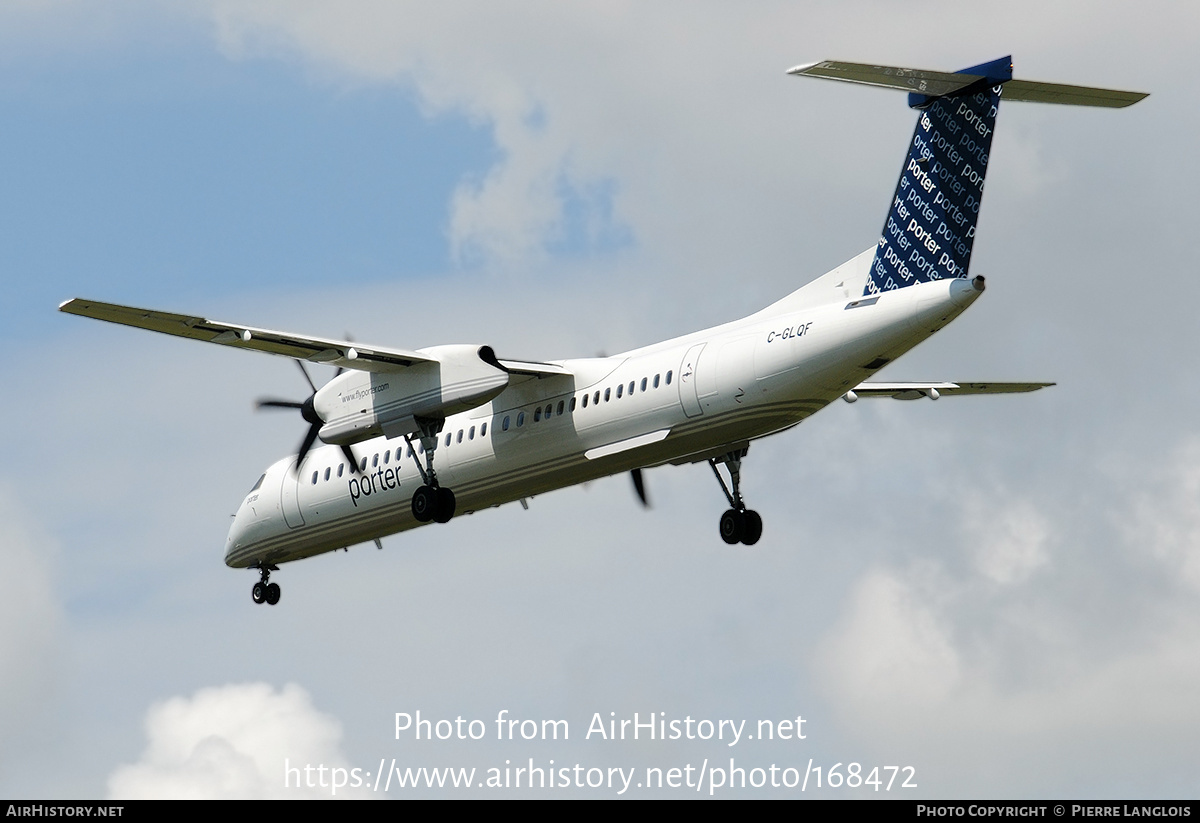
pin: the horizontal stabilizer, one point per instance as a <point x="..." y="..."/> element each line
<point x="925" y="84"/>
<point x="921" y="81"/>
<point x="1033" y="92"/>
<point x="915" y="391"/>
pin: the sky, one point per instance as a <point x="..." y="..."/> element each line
<point x="998" y="593"/>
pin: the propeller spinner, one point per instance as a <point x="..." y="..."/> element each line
<point x="309" y="413"/>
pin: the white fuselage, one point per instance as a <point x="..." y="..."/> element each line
<point x="682" y="400"/>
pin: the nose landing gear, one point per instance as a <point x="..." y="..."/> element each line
<point x="263" y="591"/>
<point x="738" y="524"/>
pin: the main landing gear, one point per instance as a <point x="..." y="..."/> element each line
<point x="264" y="592"/>
<point x="738" y="524"/>
<point x="431" y="501"/>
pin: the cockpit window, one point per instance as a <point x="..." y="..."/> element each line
<point x="256" y="485"/>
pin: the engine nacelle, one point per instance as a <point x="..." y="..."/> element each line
<point x="357" y="405"/>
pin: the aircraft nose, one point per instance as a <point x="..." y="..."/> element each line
<point x="236" y="540"/>
<point x="231" y="541"/>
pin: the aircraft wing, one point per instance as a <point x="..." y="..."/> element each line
<point x="915" y="391"/>
<point x="313" y="349"/>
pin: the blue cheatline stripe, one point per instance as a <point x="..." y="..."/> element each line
<point x="930" y="229"/>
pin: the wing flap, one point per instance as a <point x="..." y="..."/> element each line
<point x="313" y="349"/>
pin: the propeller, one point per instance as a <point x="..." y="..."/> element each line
<point x="639" y="486"/>
<point x="309" y="413"/>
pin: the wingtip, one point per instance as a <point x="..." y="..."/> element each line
<point x="803" y="67"/>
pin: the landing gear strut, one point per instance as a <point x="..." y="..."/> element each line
<point x="264" y="592"/>
<point x="430" y="501"/>
<point x="738" y="524"/>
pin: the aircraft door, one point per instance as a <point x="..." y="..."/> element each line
<point x="289" y="498"/>
<point x="689" y="396"/>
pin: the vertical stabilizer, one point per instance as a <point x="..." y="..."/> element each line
<point x="930" y="228"/>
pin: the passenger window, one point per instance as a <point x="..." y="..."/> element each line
<point x="656" y="381"/>
<point x="631" y="382"/>
<point x="387" y="455"/>
<point x="375" y="460"/>
<point x="340" y="467"/>
<point x="362" y="467"/>
<point x="549" y="410"/>
<point x="669" y="378"/>
<point x="537" y="414"/>
<point x="448" y="436"/>
<point x="560" y="405"/>
<point x="459" y="438"/>
<point x="596" y="398"/>
<point x="504" y="425"/>
<point x="619" y="389"/>
<point x="327" y="474"/>
<point x="643" y="384"/>
<point x="573" y="402"/>
<point x="607" y="395"/>
<point x="314" y="478"/>
<point x="483" y="430"/>
<point x="471" y="434"/>
<point x="520" y="419"/>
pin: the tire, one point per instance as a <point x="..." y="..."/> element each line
<point x="272" y="594"/>
<point x="733" y="525"/>
<point x="753" y="529"/>
<point x="445" y="505"/>
<point x="259" y="593"/>
<point x="424" y="504"/>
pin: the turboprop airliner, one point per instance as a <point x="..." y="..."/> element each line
<point x="412" y="437"/>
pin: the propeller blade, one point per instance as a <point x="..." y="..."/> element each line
<point x="307" y="379"/>
<point x="639" y="486"/>
<point x="309" y="439"/>
<point x="349" y="452"/>
<point x="271" y="403"/>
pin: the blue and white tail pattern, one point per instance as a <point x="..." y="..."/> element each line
<point x="930" y="228"/>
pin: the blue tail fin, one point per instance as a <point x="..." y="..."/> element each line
<point x="930" y="228"/>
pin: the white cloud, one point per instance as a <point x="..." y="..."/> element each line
<point x="892" y="641"/>
<point x="1009" y="539"/>
<point x="30" y="617"/>
<point x="236" y="742"/>
<point x="1165" y="522"/>
<point x="931" y="655"/>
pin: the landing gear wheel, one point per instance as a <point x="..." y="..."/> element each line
<point x="425" y="503"/>
<point x="733" y="524"/>
<point x="752" y="528"/>
<point x="445" y="505"/>
<point x="265" y="591"/>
